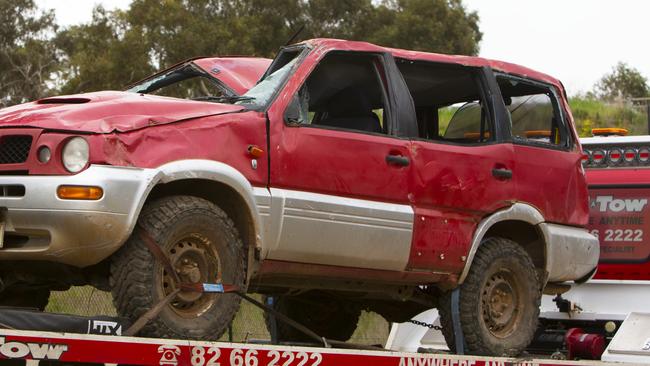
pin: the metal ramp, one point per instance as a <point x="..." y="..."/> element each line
<point x="632" y="341"/>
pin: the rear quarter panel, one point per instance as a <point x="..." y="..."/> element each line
<point x="553" y="181"/>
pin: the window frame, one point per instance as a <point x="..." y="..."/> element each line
<point x="200" y="73"/>
<point x="558" y="112"/>
<point x="382" y="82"/>
<point x="482" y="77"/>
<point x="303" y="50"/>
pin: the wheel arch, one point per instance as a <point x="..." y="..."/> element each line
<point x="216" y="182"/>
<point x="518" y="223"/>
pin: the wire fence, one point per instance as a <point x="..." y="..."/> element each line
<point x="81" y="300"/>
<point x="247" y="326"/>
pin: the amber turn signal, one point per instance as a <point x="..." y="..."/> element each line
<point x="79" y="192"/>
<point x="255" y="151"/>
<point x="609" y="131"/>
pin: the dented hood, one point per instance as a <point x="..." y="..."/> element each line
<point x="107" y="111"/>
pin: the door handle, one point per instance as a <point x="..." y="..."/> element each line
<point x="397" y="160"/>
<point x="502" y="173"/>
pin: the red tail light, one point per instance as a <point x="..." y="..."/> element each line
<point x="644" y="155"/>
<point x="629" y="155"/>
<point x="598" y="156"/>
<point x="615" y="156"/>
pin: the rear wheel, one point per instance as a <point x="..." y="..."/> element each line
<point x="325" y="316"/>
<point x="25" y="298"/>
<point x="499" y="301"/>
<point x="203" y="246"/>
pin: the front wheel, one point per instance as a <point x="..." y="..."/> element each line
<point x="203" y="246"/>
<point x="499" y="301"/>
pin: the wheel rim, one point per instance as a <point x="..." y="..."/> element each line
<point x="501" y="304"/>
<point x="195" y="260"/>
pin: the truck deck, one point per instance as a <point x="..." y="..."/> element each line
<point x="35" y="347"/>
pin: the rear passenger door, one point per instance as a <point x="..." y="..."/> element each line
<point x="548" y="171"/>
<point x="339" y="174"/>
<point x="462" y="164"/>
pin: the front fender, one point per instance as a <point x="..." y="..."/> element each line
<point x="207" y="170"/>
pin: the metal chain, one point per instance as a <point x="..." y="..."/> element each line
<point x="423" y="324"/>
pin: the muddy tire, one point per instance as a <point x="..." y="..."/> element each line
<point x="499" y="301"/>
<point x="25" y="298"/>
<point x="203" y="246"/>
<point x="325" y="316"/>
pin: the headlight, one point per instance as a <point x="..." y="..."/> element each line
<point x="75" y="154"/>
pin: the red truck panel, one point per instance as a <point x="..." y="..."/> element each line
<point x="620" y="216"/>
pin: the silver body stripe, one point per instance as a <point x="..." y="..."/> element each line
<point x="263" y="204"/>
<point x="331" y="230"/>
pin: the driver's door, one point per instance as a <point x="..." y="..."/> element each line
<point x="339" y="180"/>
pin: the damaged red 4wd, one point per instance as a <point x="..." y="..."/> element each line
<point x="349" y="177"/>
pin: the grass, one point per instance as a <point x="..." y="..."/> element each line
<point x="591" y="113"/>
<point x="247" y="325"/>
<point x="588" y="113"/>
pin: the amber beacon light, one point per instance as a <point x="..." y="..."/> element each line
<point x="79" y="193"/>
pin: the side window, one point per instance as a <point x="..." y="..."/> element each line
<point x="344" y="91"/>
<point x="449" y="102"/>
<point x="534" y="112"/>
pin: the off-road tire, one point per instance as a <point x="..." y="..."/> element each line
<point x="325" y="316"/>
<point x="138" y="281"/>
<point x="25" y="298"/>
<point x="496" y="257"/>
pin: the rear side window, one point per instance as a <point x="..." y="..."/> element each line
<point x="465" y="122"/>
<point x="449" y="101"/>
<point x="535" y="115"/>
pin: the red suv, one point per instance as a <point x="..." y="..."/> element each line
<point x="350" y="177"/>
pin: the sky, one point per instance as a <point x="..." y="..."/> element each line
<point x="576" y="41"/>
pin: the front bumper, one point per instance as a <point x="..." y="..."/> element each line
<point x="571" y="253"/>
<point x="40" y="226"/>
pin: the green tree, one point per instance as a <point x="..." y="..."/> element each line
<point x="622" y="83"/>
<point x="27" y="58"/>
<point x="344" y="19"/>
<point x="442" y="26"/>
<point x="107" y="53"/>
<point x="119" y="47"/>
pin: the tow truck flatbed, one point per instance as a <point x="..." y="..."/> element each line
<point x="35" y="347"/>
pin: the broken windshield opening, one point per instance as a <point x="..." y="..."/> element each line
<point x="259" y="96"/>
<point x="186" y="82"/>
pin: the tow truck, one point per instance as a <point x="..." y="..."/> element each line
<point x="104" y="341"/>
<point x="35" y="347"/>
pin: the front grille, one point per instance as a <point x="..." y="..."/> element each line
<point x="14" y="149"/>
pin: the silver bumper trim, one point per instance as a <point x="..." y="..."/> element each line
<point x="571" y="252"/>
<point x="74" y="232"/>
